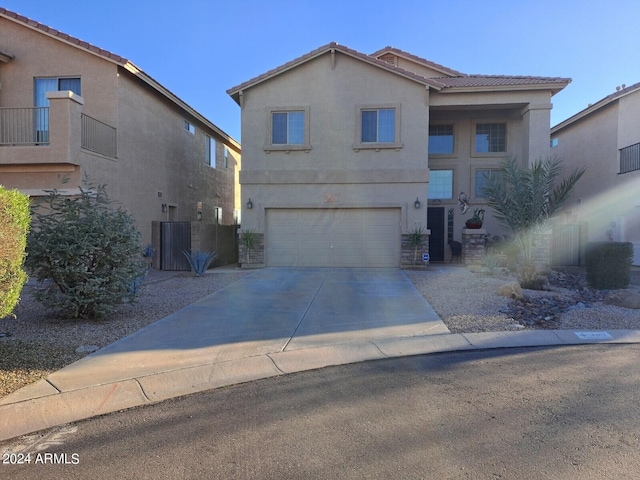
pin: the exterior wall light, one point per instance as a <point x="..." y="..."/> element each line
<point x="416" y="203"/>
<point x="249" y="204"/>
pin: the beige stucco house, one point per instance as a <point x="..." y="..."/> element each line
<point x="605" y="137"/>
<point x="345" y="153"/>
<point x="68" y="108"/>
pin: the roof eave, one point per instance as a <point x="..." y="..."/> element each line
<point x="596" y="106"/>
<point x="130" y="67"/>
<point x="552" y="87"/>
<point x="234" y="92"/>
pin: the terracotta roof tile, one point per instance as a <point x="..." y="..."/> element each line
<point x="456" y="80"/>
<point x="63" y="36"/>
<point x="340" y="48"/>
<point x="500" y="80"/>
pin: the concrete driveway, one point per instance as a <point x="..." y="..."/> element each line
<point x="269" y="311"/>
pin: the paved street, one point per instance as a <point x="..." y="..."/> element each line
<point x="555" y="412"/>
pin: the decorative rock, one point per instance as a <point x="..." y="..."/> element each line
<point x="626" y="299"/>
<point x="511" y="290"/>
<point x="87" y="349"/>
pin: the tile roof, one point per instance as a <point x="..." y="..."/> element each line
<point x="340" y="48"/>
<point x="62" y="36"/>
<point x="456" y="81"/>
<point x="415" y="58"/>
<point x="596" y="106"/>
<point x="121" y="61"/>
<point x="500" y="80"/>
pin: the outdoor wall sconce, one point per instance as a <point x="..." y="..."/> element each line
<point x="416" y="203"/>
<point x="249" y="204"/>
<point x="164" y="208"/>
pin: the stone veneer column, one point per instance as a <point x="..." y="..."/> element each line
<point x="256" y="258"/>
<point x="407" y="250"/>
<point x="473" y="246"/>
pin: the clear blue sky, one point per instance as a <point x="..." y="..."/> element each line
<point x="200" y="48"/>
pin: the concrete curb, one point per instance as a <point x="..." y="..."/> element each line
<point x="41" y="406"/>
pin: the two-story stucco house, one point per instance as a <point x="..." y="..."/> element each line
<point x="68" y="108"/>
<point x="605" y="137"/>
<point x="345" y="153"/>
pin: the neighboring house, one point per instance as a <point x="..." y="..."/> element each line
<point x="68" y="108"/>
<point x="604" y="137"/>
<point x="345" y="153"/>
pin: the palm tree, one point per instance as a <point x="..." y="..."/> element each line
<point x="524" y="200"/>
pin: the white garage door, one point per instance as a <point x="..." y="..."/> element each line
<point x="347" y="237"/>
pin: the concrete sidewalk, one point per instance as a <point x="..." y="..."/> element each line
<point x="272" y="322"/>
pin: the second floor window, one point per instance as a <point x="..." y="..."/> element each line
<point x="378" y="126"/>
<point x="287" y="128"/>
<point x="44" y="85"/>
<point x="210" y="151"/>
<point x="491" y="138"/>
<point x="440" y="139"/>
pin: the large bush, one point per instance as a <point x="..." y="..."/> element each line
<point x="609" y="264"/>
<point x="14" y="226"/>
<point x="86" y="253"/>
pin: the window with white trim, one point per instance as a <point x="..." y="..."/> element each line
<point x="491" y="138"/>
<point x="440" y="184"/>
<point x="226" y="157"/>
<point x="189" y="127"/>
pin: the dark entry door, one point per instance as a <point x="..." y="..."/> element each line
<point x="435" y="223"/>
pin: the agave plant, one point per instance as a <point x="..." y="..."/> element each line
<point x="199" y="261"/>
<point x="416" y="237"/>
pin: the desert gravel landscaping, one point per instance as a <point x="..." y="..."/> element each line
<point x="466" y="301"/>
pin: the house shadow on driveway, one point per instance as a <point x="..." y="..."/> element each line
<point x="271" y="310"/>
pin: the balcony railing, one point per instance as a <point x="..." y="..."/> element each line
<point x="98" y="137"/>
<point x="30" y="126"/>
<point x="630" y="158"/>
<point x="24" y="126"/>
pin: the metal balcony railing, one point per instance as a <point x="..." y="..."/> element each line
<point x="630" y="158"/>
<point x="98" y="137"/>
<point x="24" y="126"/>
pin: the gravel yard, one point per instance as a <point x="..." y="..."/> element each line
<point x="466" y="301"/>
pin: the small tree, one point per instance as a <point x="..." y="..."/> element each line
<point x="524" y="200"/>
<point x="14" y="226"/>
<point x="86" y="253"/>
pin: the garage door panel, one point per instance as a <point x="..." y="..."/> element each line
<point x="333" y="237"/>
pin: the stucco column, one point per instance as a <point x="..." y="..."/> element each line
<point x="65" y="125"/>
<point x="536" y="123"/>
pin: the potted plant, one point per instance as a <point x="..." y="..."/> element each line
<point x="476" y="219"/>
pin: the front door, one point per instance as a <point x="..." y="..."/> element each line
<point x="435" y="223"/>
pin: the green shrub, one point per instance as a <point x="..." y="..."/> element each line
<point x="86" y="253"/>
<point x="199" y="261"/>
<point x="14" y="226"/>
<point x="492" y="262"/>
<point x="609" y="264"/>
